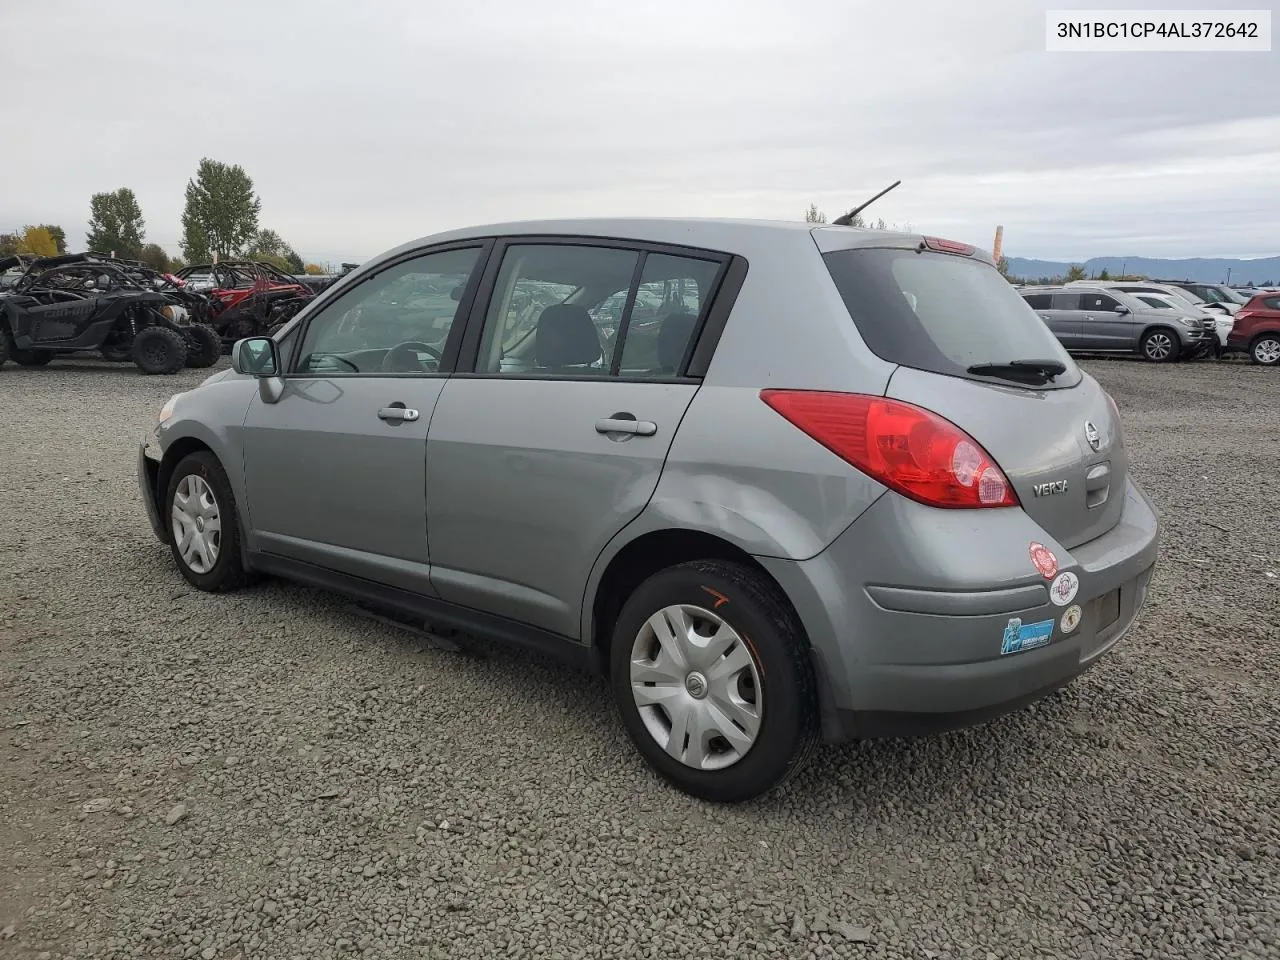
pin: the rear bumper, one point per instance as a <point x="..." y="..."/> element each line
<point x="896" y="660"/>
<point x="148" y="479"/>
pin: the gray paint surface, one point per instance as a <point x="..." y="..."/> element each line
<point x="503" y="497"/>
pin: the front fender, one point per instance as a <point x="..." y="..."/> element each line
<point x="213" y="414"/>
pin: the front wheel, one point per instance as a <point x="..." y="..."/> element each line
<point x="204" y="533"/>
<point x="1265" y="350"/>
<point x="159" y="350"/>
<point x="204" y="346"/>
<point x="1160" y="346"/>
<point x="711" y="673"/>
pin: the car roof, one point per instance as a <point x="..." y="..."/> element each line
<point x="723" y="234"/>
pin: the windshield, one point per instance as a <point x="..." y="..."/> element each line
<point x="942" y="313"/>
<point x="1235" y="296"/>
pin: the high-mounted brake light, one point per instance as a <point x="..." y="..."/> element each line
<point x="909" y="449"/>
<point x="948" y="246"/>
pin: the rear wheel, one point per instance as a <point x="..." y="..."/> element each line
<point x="1265" y="350"/>
<point x="204" y="534"/>
<point x="204" y="346"/>
<point x="711" y="672"/>
<point x="159" y="350"/>
<point x="1160" y="345"/>
<point x="30" y="358"/>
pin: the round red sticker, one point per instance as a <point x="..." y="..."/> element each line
<point x="1044" y="560"/>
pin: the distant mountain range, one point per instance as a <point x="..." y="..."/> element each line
<point x="1264" y="270"/>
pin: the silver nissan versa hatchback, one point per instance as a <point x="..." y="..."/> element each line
<point x="780" y="483"/>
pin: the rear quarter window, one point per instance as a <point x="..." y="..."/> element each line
<point x="940" y="312"/>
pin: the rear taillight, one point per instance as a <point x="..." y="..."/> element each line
<point x="1118" y="425"/>
<point x="908" y="449"/>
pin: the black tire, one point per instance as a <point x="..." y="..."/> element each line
<point x="159" y="350"/>
<point x="1160" y="345"/>
<point x="4" y="340"/>
<point x="30" y="358"/>
<point x="775" y="643"/>
<point x="227" y="572"/>
<point x="1265" y="349"/>
<point x="204" y="346"/>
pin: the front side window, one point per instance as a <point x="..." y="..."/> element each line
<point x="397" y="321"/>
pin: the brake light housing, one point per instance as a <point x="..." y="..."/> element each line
<point x="939" y="245"/>
<point x="910" y="450"/>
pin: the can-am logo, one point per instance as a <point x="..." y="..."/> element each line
<point x="1050" y="489"/>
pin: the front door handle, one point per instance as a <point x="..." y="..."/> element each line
<point x="398" y="413"/>
<point x="627" y="424"/>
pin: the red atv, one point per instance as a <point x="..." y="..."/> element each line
<point x="248" y="298"/>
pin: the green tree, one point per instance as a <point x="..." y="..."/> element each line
<point x="153" y="255"/>
<point x="9" y="244"/>
<point x="1104" y="275"/>
<point x="59" y="236"/>
<point x="221" y="213"/>
<point x="37" y="242"/>
<point x="814" y="215"/>
<point x="268" y="246"/>
<point x="1076" y="272"/>
<point x="116" y="224"/>
<point x="266" y="243"/>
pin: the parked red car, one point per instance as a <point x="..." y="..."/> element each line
<point x="1257" y="330"/>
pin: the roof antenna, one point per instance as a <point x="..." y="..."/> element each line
<point x="847" y="219"/>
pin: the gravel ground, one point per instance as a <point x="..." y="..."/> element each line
<point x="270" y="775"/>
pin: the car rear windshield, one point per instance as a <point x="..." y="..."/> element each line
<point x="941" y="312"/>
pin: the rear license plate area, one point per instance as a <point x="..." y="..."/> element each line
<point x="1108" y="608"/>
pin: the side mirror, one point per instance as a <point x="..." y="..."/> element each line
<point x="1121" y="308"/>
<point x="256" y="357"/>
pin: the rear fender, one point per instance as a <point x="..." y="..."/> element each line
<point x="790" y="504"/>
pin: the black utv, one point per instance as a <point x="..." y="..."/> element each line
<point x="70" y="304"/>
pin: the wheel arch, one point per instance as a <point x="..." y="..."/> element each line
<point x="617" y="574"/>
<point x="176" y="452"/>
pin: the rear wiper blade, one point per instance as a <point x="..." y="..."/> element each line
<point x="1021" y="370"/>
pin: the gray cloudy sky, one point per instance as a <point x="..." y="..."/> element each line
<point x="365" y="124"/>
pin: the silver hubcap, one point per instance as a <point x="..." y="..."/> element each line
<point x="1267" y="351"/>
<point x="697" y="687"/>
<point x="197" y="525"/>
<point x="1159" y="346"/>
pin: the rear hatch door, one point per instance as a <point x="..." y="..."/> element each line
<point x="970" y="349"/>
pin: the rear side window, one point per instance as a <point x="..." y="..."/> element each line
<point x="1038" y="301"/>
<point x="940" y="312"/>
<point x="1272" y="303"/>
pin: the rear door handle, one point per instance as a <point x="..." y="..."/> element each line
<point x="630" y="425"/>
<point x="398" y="413"/>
